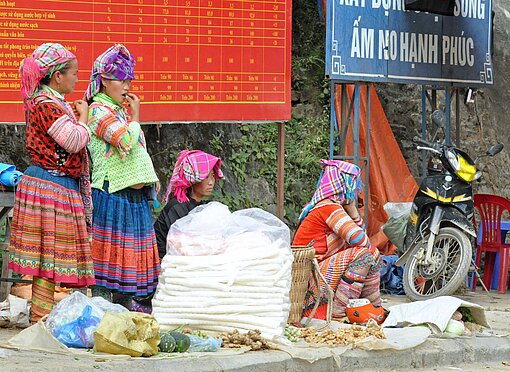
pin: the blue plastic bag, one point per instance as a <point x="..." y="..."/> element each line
<point x="79" y="332"/>
<point x="204" y="344"/>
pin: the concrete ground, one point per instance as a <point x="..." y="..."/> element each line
<point x="460" y="354"/>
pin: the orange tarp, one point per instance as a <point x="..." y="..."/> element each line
<point x="390" y="179"/>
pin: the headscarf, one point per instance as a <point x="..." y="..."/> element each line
<point x="190" y="168"/>
<point x="44" y="61"/>
<point x="339" y="181"/>
<point x="115" y="64"/>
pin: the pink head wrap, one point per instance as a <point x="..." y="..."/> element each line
<point x="190" y="168"/>
<point x="339" y="180"/>
<point x="45" y="60"/>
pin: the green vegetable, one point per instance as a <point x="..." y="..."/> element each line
<point x="455" y="327"/>
<point x="292" y="333"/>
<point x="466" y="315"/>
<point x="200" y="334"/>
<point x="178" y="329"/>
<point x="182" y="342"/>
<point x="167" y="343"/>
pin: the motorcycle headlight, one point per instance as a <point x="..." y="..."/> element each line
<point x="452" y="159"/>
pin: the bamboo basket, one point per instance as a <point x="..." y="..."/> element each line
<point x="301" y="272"/>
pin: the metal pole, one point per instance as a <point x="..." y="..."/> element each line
<point x="355" y="127"/>
<point x="345" y="119"/>
<point x="423" y="128"/>
<point x="332" y="121"/>
<point x="281" y="171"/>
<point x="457" y="118"/>
<point x="448" y="115"/>
<point x="367" y="154"/>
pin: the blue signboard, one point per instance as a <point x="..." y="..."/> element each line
<point x="378" y="41"/>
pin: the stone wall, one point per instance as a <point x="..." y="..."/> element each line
<point x="482" y="124"/>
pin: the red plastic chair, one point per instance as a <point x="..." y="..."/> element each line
<point x="491" y="208"/>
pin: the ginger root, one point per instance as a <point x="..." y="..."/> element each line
<point x="342" y="336"/>
<point x="252" y="339"/>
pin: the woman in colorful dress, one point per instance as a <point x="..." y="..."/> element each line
<point x="195" y="173"/>
<point x="53" y="205"/>
<point x="346" y="258"/>
<point x="124" y="248"/>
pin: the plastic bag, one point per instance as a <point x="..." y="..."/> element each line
<point x="397" y="210"/>
<point x="106" y="306"/>
<point x="200" y="233"/>
<point x="246" y="287"/>
<point x="79" y="332"/>
<point x="395" y="230"/>
<point x="71" y="308"/>
<point x="135" y="334"/>
<point x="14" y="312"/>
<point x="204" y="344"/>
<point x="206" y="229"/>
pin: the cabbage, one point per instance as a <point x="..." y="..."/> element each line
<point x="455" y="327"/>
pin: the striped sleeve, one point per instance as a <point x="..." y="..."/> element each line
<point x="70" y="136"/>
<point x="343" y="225"/>
<point x="105" y="125"/>
<point x="359" y="221"/>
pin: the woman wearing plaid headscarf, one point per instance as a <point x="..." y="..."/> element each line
<point x="124" y="248"/>
<point x="193" y="179"/>
<point x="53" y="205"/>
<point x="346" y="258"/>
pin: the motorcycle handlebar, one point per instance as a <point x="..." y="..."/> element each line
<point x="435" y="146"/>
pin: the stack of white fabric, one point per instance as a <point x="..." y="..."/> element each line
<point x="246" y="287"/>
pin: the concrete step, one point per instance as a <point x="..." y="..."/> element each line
<point x="431" y="354"/>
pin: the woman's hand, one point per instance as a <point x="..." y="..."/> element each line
<point x="134" y="103"/>
<point x="352" y="209"/>
<point x="82" y="108"/>
<point x="158" y="187"/>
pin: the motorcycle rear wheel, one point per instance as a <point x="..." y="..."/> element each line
<point x="452" y="273"/>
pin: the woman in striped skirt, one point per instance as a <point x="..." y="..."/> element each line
<point x="346" y="258"/>
<point x="53" y="204"/>
<point x="124" y="248"/>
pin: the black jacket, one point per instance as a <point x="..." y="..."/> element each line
<point x="171" y="213"/>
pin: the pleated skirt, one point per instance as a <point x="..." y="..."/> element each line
<point x="49" y="234"/>
<point x="124" y="247"/>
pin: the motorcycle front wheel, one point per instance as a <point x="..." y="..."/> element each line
<point x="451" y="258"/>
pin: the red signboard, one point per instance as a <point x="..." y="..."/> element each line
<point x="197" y="60"/>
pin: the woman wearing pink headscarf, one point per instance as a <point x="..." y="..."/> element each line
<point x="332" y="224"/>
<point x="53" y="206"/>
<point x="193" y="179"/>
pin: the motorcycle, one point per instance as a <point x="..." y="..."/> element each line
<point x="437" y="250"/>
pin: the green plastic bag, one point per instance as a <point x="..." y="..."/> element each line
<point x="395" y="230"/>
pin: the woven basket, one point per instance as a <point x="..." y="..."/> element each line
<point x="301" y="271"/>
